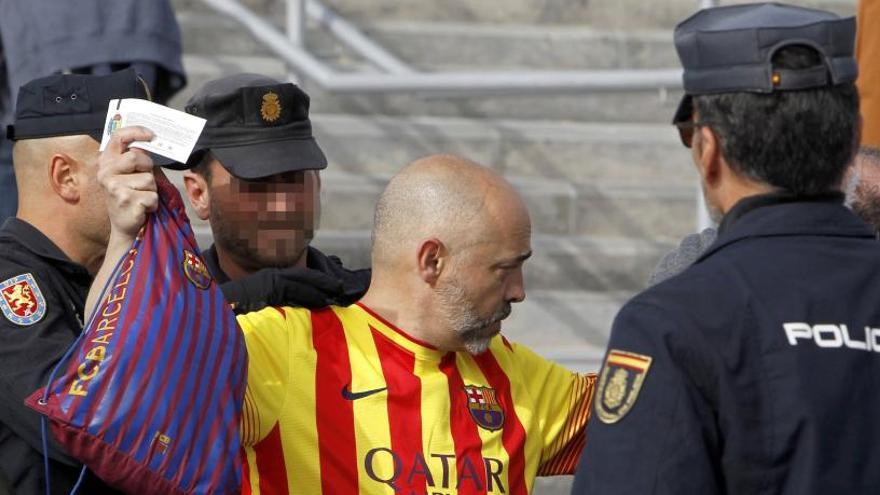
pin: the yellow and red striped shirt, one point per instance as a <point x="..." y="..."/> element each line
<point x="341" y="402"/>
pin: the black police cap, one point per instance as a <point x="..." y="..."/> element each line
<point x="730" y="49"/>
<point x="256" y="126"/>
<point x="70" y="104"/>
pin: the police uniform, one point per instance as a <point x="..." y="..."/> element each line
<point x="258" y="127"/>
<point x="756" y="370"/>
<point x="43" y="292"/>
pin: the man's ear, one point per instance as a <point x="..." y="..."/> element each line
<point x="198" y="192"/>
<point x="431" y="260"/>
<point x="709" y="158"/>
<point x="64" y="177"/>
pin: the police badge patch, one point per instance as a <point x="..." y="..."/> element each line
<point x="484" y="407"/>
<point x="270" y="110"/>
<point x="619" y="384"/>
<point x="22" y="302"/>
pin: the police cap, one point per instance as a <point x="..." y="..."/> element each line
<point x="729" y="49"/>
<point x="70" y="104"/>
<point x="256" y="126"/>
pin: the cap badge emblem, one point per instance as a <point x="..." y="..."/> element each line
<point x="271" y="109"/>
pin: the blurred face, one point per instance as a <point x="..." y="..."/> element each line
<point x="267" y="222"/>
<point x="479" y="290"/>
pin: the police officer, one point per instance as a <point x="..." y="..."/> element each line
<point x="755" y="370"/>
<point x="48" y="254"/>
<point x="256" y="178"/>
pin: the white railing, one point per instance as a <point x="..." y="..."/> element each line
<point x="397" y="77"/>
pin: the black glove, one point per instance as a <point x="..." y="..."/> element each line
<point x="354" y="282"/>
<point x="325" y="283"/>
<point x="282" y="287"/>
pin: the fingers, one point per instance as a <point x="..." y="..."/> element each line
<point x="128" y="162"/>
<point x="127" y="175"/>
<point x="120" y="139"/>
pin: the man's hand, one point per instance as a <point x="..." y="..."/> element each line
<point x="127" y="175"/>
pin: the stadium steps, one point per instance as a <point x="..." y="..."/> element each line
<point x="611" y="107"/>
<point x="626" y="14"/>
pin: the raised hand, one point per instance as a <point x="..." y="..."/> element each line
<point x="127" y="175"/>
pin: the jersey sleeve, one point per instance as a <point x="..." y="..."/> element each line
<point x="651" y="430"/>
<point x="563" y="400"/>
<point x="30" y="348"/>
<point x="267" y="336"/>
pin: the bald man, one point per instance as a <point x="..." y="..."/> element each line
<point x="412" y="389"/>
<point x="48" y="254"/>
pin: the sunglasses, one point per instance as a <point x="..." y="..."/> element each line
<point x="686" y="131"/>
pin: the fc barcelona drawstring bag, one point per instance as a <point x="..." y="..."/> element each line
<point x="149" y="397"/>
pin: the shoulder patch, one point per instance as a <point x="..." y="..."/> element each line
<point x="622" y="376"/>
<point x="22" y="302"/>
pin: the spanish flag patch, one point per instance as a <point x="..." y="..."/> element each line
<point x="620" y="383"/>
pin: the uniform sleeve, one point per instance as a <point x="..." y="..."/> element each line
<point x="267" y="338"/>
<point x="563" y="406"/>
<point x="29" y="350"/>
<point x="651" y="431"/>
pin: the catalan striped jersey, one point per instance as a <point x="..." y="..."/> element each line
<point x="341" y="402"/>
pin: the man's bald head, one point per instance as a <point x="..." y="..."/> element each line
<point x="33" y="157"/>
<point x="59" y="194"/>
<point x="451" y="236"/>
<point x="448" y="197"/>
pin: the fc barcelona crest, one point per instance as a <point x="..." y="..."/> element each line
<point x="484" y="407"/>
<point x="620" y="383"/>
<point x="22" y="302"/>
<point x="195" y="270"/>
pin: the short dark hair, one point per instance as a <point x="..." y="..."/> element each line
<point x="800" y="141"/>
<point x="202" y="165"/>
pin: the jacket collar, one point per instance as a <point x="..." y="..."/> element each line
<point x="786" y="214"/>
<point x="36" y="242"/>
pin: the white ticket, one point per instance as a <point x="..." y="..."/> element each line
<point x="175" y="132"/>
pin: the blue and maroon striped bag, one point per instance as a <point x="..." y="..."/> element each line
<point x="150" y="398"/>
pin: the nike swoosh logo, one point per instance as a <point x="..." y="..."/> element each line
<point x="349" y="395"/>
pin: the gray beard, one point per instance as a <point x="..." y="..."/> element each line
<point x="463" y="318"/>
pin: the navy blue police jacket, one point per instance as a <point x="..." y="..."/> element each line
<point x="755" y="371"/>
<point x="42" y="299"/>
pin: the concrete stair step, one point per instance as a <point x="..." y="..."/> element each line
<point x="569" y="327"/>
<point x="656" y="107"/>
<point x="616" y="13"/>
<point x="451" y="45"/>
<point x="435" y="45"/>
<point x="582" y="153"/>
<point x="557" y="207"/>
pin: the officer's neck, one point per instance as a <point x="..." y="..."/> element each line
<point x="68" y="237"/>
<point x="729" y="187"/>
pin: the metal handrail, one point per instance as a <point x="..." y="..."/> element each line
<point x="354" y="39"/>
<point x="453" y="83"/>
